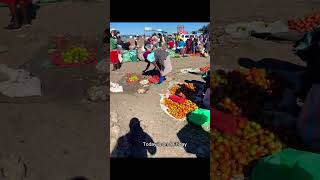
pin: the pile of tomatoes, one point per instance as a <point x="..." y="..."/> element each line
<point x="231" y="153"/>
<point x="180" y="110"/>
<point x="305" y="24"/>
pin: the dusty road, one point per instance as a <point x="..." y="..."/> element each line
<point x="146" y="107"/>
<point x="58" y="135"/>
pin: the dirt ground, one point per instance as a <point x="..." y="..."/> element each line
<point x="227" y="53"/>
<point x="59" y="135"/>
<point x="154" y="121"/>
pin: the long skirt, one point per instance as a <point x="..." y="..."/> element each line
<point x="114" y="57"/>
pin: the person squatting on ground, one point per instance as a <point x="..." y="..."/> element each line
<point x="19" y="13"/>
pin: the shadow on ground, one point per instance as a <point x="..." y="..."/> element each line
<point x="270" y="64"/>
<point x="132" y="145"/>
<point x="197" y="140"/>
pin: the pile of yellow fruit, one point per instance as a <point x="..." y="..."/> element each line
<point x="231" y="153"/>
<point x="75" y="55"/>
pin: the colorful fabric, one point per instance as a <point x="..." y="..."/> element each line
<point x="145" y="54"/>
<point x="171" y="44"/>
<point x="151" y="57"/>
<point x="114" y="57"/>
<point x="113" y="43"/>
<point x="181" y="44"/>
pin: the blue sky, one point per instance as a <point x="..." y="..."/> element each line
<point x="138" y="28"/>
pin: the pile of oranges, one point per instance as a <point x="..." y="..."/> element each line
<point x="231" y="153"/>
<point x="177" y="110"/>
<point x="231" y="107"/>
<point x="258" y="77"/>
<point x="242" y="94"/>
<point x="305" y="24"/>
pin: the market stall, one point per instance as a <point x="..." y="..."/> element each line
<point x="239" y="136"/>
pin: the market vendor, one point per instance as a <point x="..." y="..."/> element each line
<point x="163" y="59"/>
<point x="115" y="51"/>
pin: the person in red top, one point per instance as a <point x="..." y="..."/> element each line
<point x="15" y="23"/>
<point x="171" y="44"/>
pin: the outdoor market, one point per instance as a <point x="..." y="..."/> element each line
<point x="52" y="96"/>
<point x="161" y="79"/>
<point x="265" y="113"/>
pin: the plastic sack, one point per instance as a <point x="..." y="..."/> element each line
<point x="19" y="83"/>
<point x="133" y="56"/>
<point x="171" y="53"/>
<point x="126" y="57"/>
<point x="288" y="164"/>
<point x="200" y="117"/>
<point x="308" y="124"/>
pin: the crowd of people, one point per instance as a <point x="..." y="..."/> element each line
<point x="150" y="51"/>
<point x="22" y="12"/>
<point x="154" y="49"/>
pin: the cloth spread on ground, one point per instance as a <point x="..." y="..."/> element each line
<point x="20" y="83"/>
